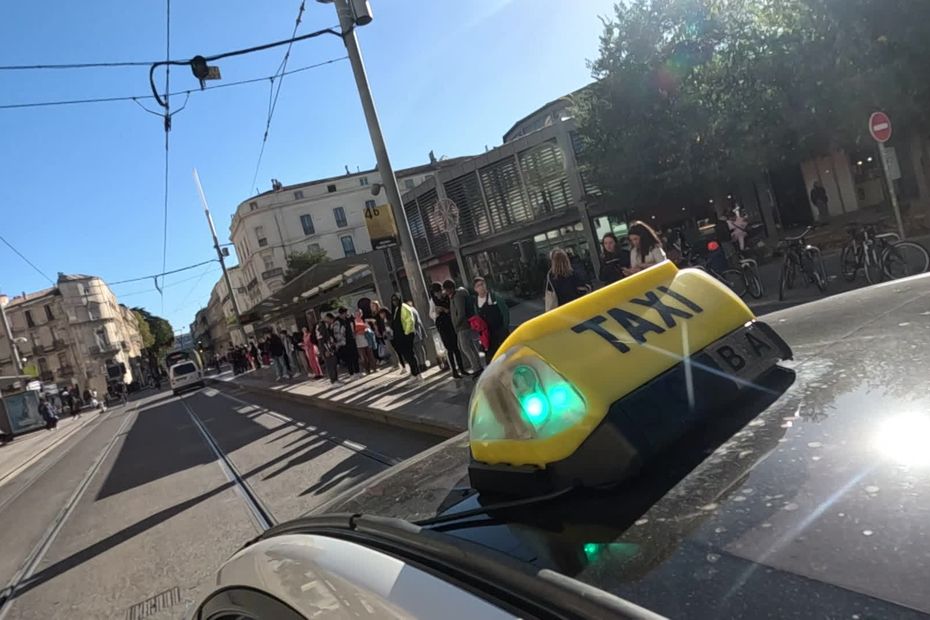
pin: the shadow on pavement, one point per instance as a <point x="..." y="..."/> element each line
<point x="101" y="546"/>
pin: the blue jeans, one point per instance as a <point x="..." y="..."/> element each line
<point x="280" y="369"/>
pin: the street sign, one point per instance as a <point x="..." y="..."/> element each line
<point x="880" y="127"/>
<point x="381" y="228"/>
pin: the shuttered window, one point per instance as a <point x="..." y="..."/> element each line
<point x="473" y="218"/>
<point x="432" y="223"/>
<point x="589" y="188"/>
<point x="543" y="168"/>
<point x="417" y="231"/>
<point x="501" y="183"/>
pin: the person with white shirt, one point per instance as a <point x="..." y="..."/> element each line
<point x="646" y="248"/>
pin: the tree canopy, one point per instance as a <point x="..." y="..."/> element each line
<point x="159" y="330"/>
<point x="143" y="326"/>
<point x="299" y="262"/>
<point x="691" y="92"/>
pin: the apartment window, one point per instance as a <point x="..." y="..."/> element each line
<point x="48" y="313"/>
<point x="369" y="204"/>
<point x="299" y="194"/>
<point x="363" y="181"/>
<point x="29" y="321"/>
<point x="409" y="184"/>
<point x="62" y="359"/>
<point x="340" y="214"/>
<point x="253" y="205"/>
<point x="260" y="236"/>
<point x="268" y="259"/>
<point x="307" y="222"/>
<point x="331" y="188"/>
<point x="348" y="245"/>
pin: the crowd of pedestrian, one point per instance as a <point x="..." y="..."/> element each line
<point x="344" y="344"/>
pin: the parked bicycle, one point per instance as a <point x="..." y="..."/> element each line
<point x="714" y="262"/>
<point x="801" y="258"/>
<point x="750" y="270"/>
<point x="881" y="255"/>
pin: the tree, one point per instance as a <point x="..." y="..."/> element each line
<point x="299" y="262"/>
<point x="142" y="325"/>
<point x="691" y="93"/>
<point x="159" y="328"/>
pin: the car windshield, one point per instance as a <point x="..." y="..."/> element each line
<point x="404" y="259"/>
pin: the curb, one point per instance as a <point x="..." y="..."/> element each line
<point x="430" y="427"/>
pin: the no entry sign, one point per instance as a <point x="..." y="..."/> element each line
<point x="880" y="127"/>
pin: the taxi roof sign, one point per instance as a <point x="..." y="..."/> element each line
<point x="604" y="346"/>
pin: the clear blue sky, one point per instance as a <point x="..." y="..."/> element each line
<point x="81" y="186"/>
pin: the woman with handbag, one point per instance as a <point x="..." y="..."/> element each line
<point x="563" y="284"/>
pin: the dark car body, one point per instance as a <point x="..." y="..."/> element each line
<point x="812" y="500"/>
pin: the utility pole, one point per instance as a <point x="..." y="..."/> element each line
<point x="408" y="250"/>
<point x="219" y="255"/>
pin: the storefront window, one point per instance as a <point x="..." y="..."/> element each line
<point x="610" y="224"/>
<point x="518" y="269"/>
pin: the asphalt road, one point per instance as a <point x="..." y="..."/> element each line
<point x="132" y="515"/>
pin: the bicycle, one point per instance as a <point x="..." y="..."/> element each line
<point x="881" y="255"/>
<point x="801" y="257"/>
<point x="715" y="264"/>
<point x="750" y="270"/>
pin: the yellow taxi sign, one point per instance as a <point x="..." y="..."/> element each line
<point x="607" y="344"/>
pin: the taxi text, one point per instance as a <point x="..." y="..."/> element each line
<point x="670" y="308"/>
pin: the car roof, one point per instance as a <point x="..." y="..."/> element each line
<point x="817" y="505"/>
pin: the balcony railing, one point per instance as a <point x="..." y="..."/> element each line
<point x="109" y="347"/>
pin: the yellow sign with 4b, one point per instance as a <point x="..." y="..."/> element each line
<point x="381" y="227"/>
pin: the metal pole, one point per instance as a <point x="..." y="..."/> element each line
<point x="219" y="255"/>
<point x="408" y="251"/>
<point x="883" y="154"/>
<point x="14" y="350"/>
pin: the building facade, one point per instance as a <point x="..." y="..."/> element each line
<point x="75" y="333"/>
<point x="326" y="215"/>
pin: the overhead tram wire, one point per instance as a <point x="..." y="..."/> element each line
<point x="273" y="101"/>
<point x="136" y="98"/>
<point x="164" y="273"/>
<point x="28" y="262"/>
<point x="77" y="65"/>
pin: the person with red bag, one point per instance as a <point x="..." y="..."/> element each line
<point x="493" y="311"/>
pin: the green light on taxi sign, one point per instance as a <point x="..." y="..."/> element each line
<point x="535" y="408"/>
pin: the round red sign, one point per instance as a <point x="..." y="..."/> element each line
<point x="880" y="126"/>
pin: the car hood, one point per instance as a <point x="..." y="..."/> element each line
<point x="820" y="504"/>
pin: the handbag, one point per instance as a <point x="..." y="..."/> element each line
<point x="552" y="301"/>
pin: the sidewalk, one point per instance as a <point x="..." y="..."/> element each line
<point x="437" y="405"/>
